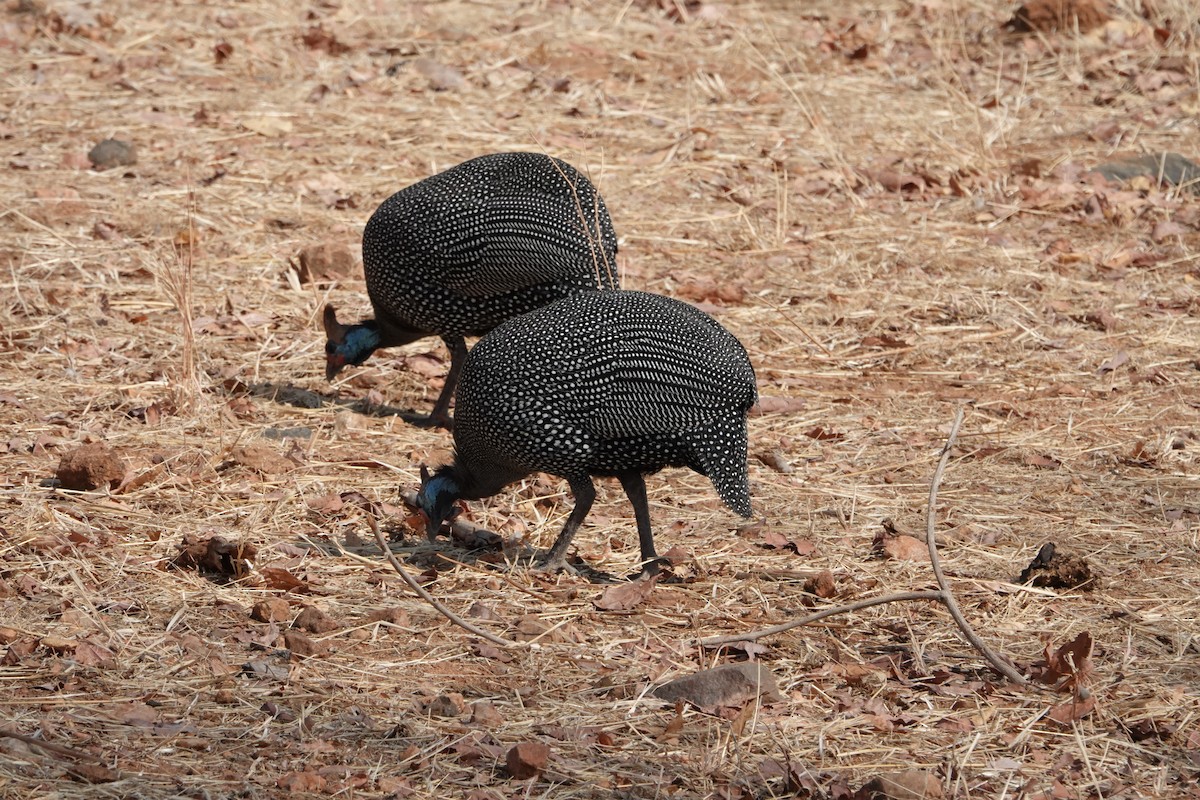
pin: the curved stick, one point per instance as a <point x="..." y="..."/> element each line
<point x="944" y="595"/>
<point x="1004" y="667"/>
<point x="500" y="641"/>
<point x="717" y="641"/>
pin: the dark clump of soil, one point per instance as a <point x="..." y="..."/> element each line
<point x="1051" y="569"/>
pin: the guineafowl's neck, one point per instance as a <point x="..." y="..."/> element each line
<point x="477" y="479"/>
<point x="392" y="332"/>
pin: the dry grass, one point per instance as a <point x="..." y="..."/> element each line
<point x="747" y="144"/>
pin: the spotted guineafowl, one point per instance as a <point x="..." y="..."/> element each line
<point x="616" y="383"/>
<point x="462" y="251"/>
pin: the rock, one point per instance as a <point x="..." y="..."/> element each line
<point x="1044" y="16"/>
<point x="484" y="714"/>
<point x="112" y="153"/>
<point x="1170" y="168"/>
<point x="301" y="645"/>
<point x="726" y="685"/>
<point x="527" y="760"/>
<point x="322" y="263"/>
<point x="314" y="620"/>
<point x="446" y="705"/>
<point x="261" y="458"/>
<point x="913" y="784"/>
<point x="273" y="609"/>
<point x="90" y="467"/>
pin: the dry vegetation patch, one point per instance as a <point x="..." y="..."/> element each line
<point x="893" y="204"/>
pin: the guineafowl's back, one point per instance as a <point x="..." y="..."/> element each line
<point x="606" y="382"/>
<point x="491" y="238"/>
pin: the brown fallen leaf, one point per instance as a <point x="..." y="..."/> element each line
<point x="1069" y="667"/>
<point x="824" y="434"/>
<point x="670" y="734"/>
<point x="624" y="596"/>
<point x="885" y="341"/>
<point x="1042" y="461"/>
<point x="283" y="580"/>
<point x="726" y="685"/>
<point x="296" y="782"/>
<point x="1118" y="359"/>
<point x="891" y="543"/>
<point x="1072" y="711"/>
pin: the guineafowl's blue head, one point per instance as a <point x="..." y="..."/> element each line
<point x="438" y="498"/>
<point x="347" y="344"/>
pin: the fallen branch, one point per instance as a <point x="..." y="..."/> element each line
<point x="1004" y="666"/>
<point x="499" y="641"/>
<point x="943" y="595"/>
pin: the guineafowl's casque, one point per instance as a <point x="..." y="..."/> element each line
<point x="613" y="383"/>
<point x="462" y="251"/>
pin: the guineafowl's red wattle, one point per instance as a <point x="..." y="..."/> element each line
<point x="464" y="250"/>
<point x="615" y="383"/>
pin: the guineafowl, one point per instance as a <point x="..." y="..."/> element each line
<point x="460" y="252"/>
<point x="615" y="383"/>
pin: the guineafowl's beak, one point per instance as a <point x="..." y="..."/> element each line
<point x="333" y="365"/>
<point x="431" y="528"/>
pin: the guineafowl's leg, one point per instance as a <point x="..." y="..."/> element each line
<point x="585" y="494"/>
<point x="458" y="354"/>
<point x="635" y="489"/>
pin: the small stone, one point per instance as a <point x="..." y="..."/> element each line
<point x="325" y="262"/>
<point x="446" y="705"/>
<point x="301" y="645"/>
<point x="112" y="153"/>
<point x="314" y="620"/>
<point x="90" y="467"/>
<point x="273" y="609"/>
<point x="485" y="715"/>
<point x="527" y="760"/>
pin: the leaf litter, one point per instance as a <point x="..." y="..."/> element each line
<point x="886" y="249"/>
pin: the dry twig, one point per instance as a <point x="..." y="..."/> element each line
<point x="500" y="641"/>
<point x="944" y="595"/>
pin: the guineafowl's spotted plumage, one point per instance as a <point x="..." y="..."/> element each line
<point x="614" y="383"/>
<point x="464" y="250"/>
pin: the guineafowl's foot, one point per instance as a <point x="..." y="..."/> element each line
<point x="552" y="565"/>
<point x="432" y="421"/>
<point x="655" y="566"/>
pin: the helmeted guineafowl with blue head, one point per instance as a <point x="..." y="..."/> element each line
<point x="614" y="383"/>
<point x="464" y="250"/>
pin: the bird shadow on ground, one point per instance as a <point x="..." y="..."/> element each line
<point x="420" y="553"/>
<point x="289" y="395"/>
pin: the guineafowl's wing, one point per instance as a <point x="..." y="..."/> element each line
<point x="666" y="382"/>
<point x="510" y="242"/>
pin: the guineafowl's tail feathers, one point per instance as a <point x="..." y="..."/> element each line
<point x="720" y="453"/>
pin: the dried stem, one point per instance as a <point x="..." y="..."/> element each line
<point x="1001" y="664"/>
<point x="944" y="595"/>
<point x="500" y="641"/>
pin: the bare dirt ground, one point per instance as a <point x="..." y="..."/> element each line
<point x="888" y="202"/>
